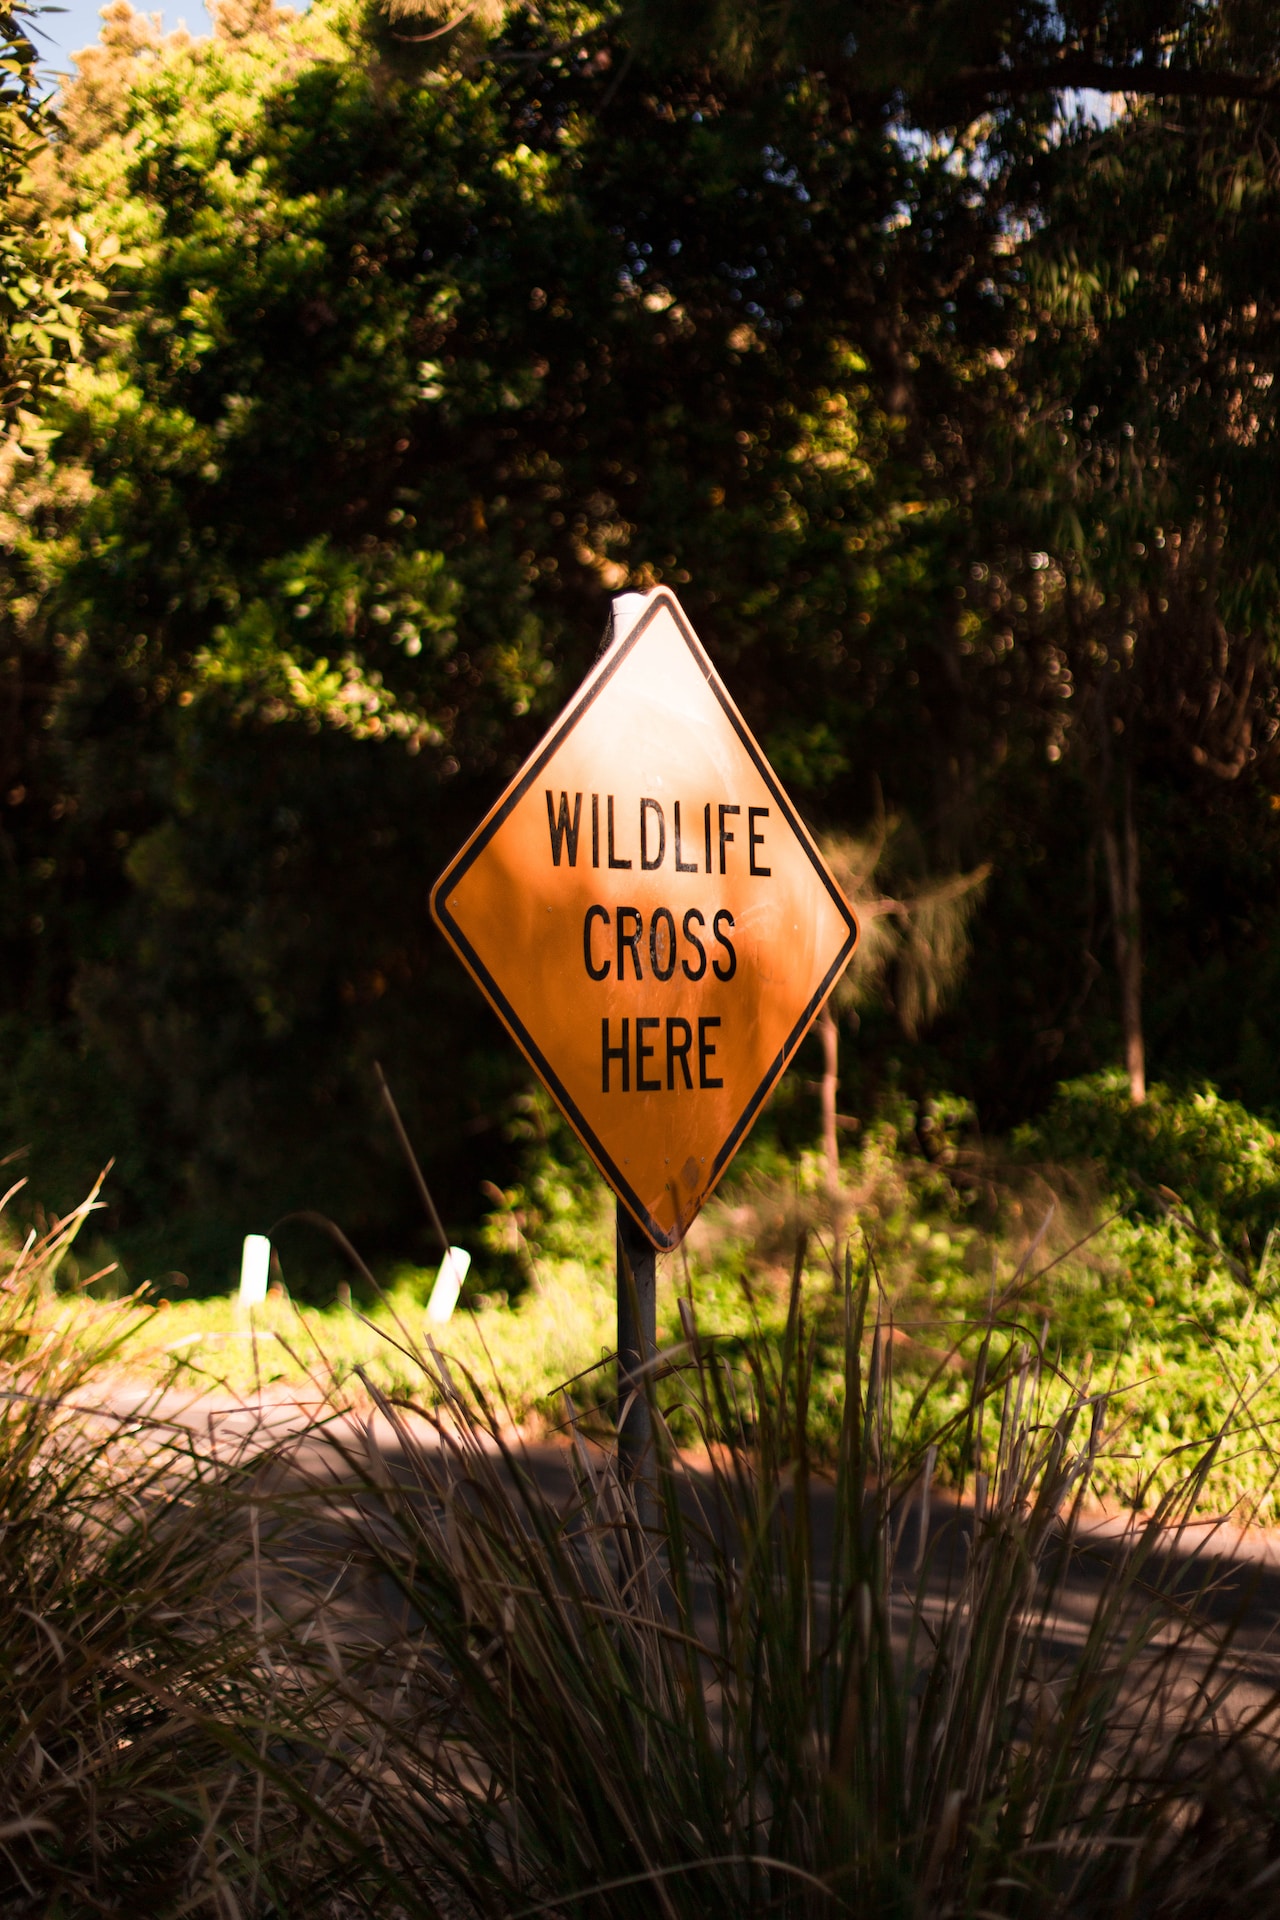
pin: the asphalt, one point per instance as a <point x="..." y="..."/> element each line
<point x="1218" y="1585"/>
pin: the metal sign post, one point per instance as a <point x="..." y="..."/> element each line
<point x="652" y="921"/>
<point x="637" y="1344"/>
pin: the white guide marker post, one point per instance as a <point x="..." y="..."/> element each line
<point x="444" y="1294"/>
<point x="255" y="1268"/>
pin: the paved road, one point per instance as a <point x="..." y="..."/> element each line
<point x="1228" y="1579"/>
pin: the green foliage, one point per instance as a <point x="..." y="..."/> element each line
<point x="945" y="63"/>
<point x="51" y="271"/>
<point x="1183" y="1160"/>
<point x="51" y="1093"/>
<point x="559" y="1208"/>
<point x="415" y="367"/>
<point x="1152" y="1307"/>
<point x="958" y="447"/>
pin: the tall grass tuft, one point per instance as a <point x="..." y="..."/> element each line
<point x="413" y="1667"/>
<point x="129" y="1665"/>
<point x="783" y="1687"/>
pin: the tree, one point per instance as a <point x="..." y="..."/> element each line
<point x="421" y="358"/>
<point x="1146" y="442"/>
<point x="1130" y="455"/>
<point x="424" y="345"/>
<point x="952" y="61"/>
<point x="55" y="273"/>
<point x="50" y="271"/>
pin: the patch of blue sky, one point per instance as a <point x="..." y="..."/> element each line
<point x="61" y="31"/>
<point x="1094" y="108"/>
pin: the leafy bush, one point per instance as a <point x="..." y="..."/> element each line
<point x="1150" y="1305"/>
<point x="558" y="1208"/>
<point x="1191" y="1152"/>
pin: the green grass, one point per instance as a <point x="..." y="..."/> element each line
<point x="1166" y="1298"/>
<point x="1177" y="1368"/>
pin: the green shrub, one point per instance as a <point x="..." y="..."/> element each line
<point x="558" y="1208"/>
<point x="1203" y="1156"/>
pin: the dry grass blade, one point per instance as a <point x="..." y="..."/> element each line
<point x="125" y="1653"/>
<point x="812" y="1694"/>
<point x="408" y="1666"/>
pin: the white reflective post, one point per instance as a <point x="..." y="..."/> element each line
<point x="255" y="1267"/>
<point x="444" y="1294"/>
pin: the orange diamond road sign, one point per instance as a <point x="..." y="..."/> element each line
<point x="650" y="919"/>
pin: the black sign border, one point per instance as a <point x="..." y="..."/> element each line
<point x="475" y="846"/>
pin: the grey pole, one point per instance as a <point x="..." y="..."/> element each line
<point x="637" y="1343"/>
<point x="637" y="1274"/>
<point x="624" y="611"/>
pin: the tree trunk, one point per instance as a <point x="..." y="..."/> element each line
<point x="1122" y="875"/>
<point x="830" y="1084"/>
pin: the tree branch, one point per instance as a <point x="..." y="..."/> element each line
<point x="1077" y="71"/>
